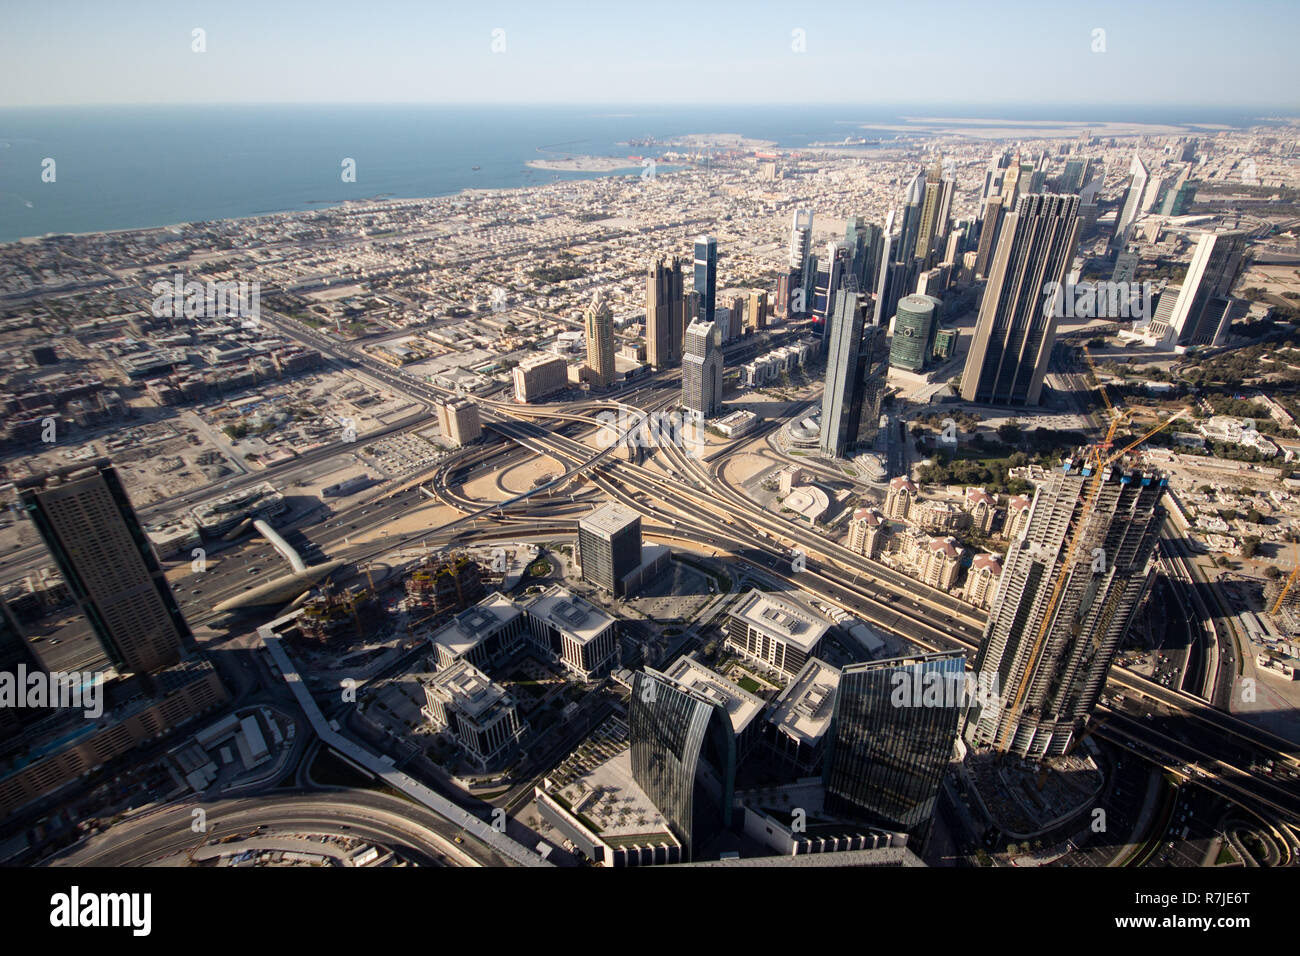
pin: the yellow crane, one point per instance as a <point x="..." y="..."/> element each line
<point x="1290" y="581"/>
<point x="1099" y="466"/>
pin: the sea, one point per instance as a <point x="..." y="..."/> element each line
<point x="130" y="167"/>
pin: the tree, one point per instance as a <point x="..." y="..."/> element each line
<point x="1249" y="545"/>
<point x="1272" y="573"/>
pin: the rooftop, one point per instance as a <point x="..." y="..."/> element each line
<point x="468" y="689"/>
<point x="609" y="519"/>
<point x="472" y="625"/>
<point x="742" y="706"/>
<point x="569" y="614"/>
<point x="780" y="617"/>
<point x="803" y="710"/>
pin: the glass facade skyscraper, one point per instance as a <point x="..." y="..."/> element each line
<point x="892" y="736"/>
<point x="683" y="756"/>
<point x="706" y="276"/>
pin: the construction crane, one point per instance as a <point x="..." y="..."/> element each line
<point x="1099" y="466"/>
<point x="1290" y="581"/>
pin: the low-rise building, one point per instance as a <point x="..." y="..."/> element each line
<point x="578" y="635"/>
<point x="477" y="714"/>
<point x="775" y="630"/>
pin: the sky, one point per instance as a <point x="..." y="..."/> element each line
<point x="962" y="52"/>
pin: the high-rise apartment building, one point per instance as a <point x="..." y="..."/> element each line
<point x="664" y="310"/>
<point x="991" y="226"/>
<point x="702" y="370"/>
<point x="600" y="341"/>
<point x="458" y="420"/>
<point x="540" y="376"/>
<point x="1017" y="322"/>
<point x="83" y="515"/>
<point x="706" y="276"/>
<point x="891" y="740"/>
<point x="1065" y="598"/>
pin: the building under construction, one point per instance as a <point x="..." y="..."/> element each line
<point x="446" y="583"/>
<point x="340" y="617"/>
<point x="1065" y="599"/>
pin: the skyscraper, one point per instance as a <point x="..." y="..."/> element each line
<point x="600" y="341"/>
<point x="891" y="738"/>
<point x="1073" y="177"/>
<point x="1202" y="312"/>
<point x="702" y="370"/>
<point x="855" y="369"/>
<point x="800" y="238"/>
<point x="913" y="198"/>
<point x="1133" y="200"/>
<point x="992" y="224"/>
<point x="706" y="276"/>
<point x="609" y="546"/>
<point x="683" y="756"/>
<point x="914" y="330"/>
<point x="84" y="517"/>
<point x="1017" y="324"/>
<point x="1063" y="604"/>
<point x="934" y="210"/>
<point x="664" y="311"/>
<point x="756" y="314"/>
<point x="838" y="267"/>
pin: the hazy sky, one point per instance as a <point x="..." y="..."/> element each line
<point x="1187" y="52"/>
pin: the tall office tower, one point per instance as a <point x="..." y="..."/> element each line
<point x="600" y="340"/>
<point x="915" y="326"/>
<point x="17" y="661"/>
<point x="994" y="175"/>
<point x="988" y="236"/>
<point x="683" y="754"/>
<point x="934" y="212"/>
<point x="706" y="276"/>
<point x="702" y="370"/>
<point x="1202" y="311"/>
<point x="808" y="284"/>
<point x="1014" y="334"/>
<point x="1012" y="186"/>
<point x="1180" y="195"/>
<point x="865" y="240"/>
<point x="1060" y="612"/>
<point x="1072" y="179"/>
<point x="905" y="251"/>
<point x="609" y="546"/>
<point x="800" y="238"/>
<point x="856" y="365"/>
<point x="756" y="314"/>
<point x="458" y="420"/>
<point x="786" y="286"/>
<point x="664" y="308"/>
<point x="839" y="265"/>
<point x="84" y="517"/>
<point x="1037" y="173"/>
<point x="881" y="281"/>
<point x="1133" y="200"/>
<point x="952" y="248"/>
<point x="891" y="738"/>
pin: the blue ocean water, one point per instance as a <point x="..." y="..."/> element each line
<point x="136" y="167"/>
